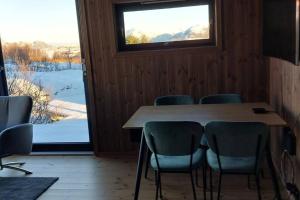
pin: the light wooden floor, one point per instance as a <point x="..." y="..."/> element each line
<point x="112" y="178"/>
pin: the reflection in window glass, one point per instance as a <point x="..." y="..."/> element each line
<point x="167" y="25"/>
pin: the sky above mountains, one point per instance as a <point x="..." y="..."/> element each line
<point x="51" y="21"/>
<point x="169" y="20"/>
<point x="55" y="21"/>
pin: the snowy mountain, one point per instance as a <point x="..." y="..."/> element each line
<point x="162" y="38"/>
<point x="199" y="32"/>
<point x="194" y="32"/>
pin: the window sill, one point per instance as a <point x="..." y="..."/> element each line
<point x="203" y="50"/>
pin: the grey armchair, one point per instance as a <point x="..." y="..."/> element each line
<point x="15" y="129"/>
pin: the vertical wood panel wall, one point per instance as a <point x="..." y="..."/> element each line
<point x="121" y="82"/>
<point x="285" y="97"/>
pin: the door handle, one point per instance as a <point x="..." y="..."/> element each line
<point x="83" y="66"/>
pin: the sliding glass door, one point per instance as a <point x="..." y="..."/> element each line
<point x="42" y="59"/>
<point x="3" y="83"/>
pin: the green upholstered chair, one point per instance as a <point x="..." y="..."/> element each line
<point x="175" y="148"/>
<point x="221" y="99"/>
<point x="236" y="148"/>
<point x="164" y="101"/>
<point x="174" y="100"/>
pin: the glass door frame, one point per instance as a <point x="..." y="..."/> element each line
<point x="56" y="146"/>
<point x="73" y="146"/>
<point x="3" y="82"/>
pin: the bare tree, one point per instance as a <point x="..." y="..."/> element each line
<point x="20" y="80"/>
<point x="18" y="53"/>
<point x="68" y="56"/>
<point x="19" y="84"/>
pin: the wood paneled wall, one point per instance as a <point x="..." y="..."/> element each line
<point x="285" y="97"/>
<point x="119" y="83"/>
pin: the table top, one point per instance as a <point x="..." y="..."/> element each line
<point x="204" y="113"/>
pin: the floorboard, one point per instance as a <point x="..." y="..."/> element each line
<point x="112" y="177"/>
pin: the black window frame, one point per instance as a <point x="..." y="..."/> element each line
<point x="152" y="5"/>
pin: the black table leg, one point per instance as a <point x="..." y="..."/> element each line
<point x="148" y="157"/>
<point x="139" y="168"/>
<point x="273" y="171"/>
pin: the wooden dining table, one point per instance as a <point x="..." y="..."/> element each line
<point x="203" y="114"/>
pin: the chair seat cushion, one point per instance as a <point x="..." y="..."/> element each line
<point x="231" y="164"/>
<point x="178" y="163"/>
<point x="204" y="141"/>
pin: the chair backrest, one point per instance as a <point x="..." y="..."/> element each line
<point x="174" y="100"/>
<point x="173" y="138"/>
<point x="14" y="110"/>
<point x="237" y="139"/>
<point x="221" y="99"/>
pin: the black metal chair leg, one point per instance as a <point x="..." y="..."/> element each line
<point x="219" y="186"/>
<point x="15" y="163"/>
<point x="248" y="182"/>
<point x="16" y="168"/>
<point x="211" y="183"/>
<point x="258" y="186"/>
<point x="204" y="180"/>
<point x="160" y="187"/>
<point x="193" y="185"/>
<point x="157" y="185"/>
<point x="263" y="173"/>
<point x="148" y="157"/>
<point x="197" y="181"/>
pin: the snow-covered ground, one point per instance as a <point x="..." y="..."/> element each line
<point x="68" y="98"/>
<point x="66" y="89"/>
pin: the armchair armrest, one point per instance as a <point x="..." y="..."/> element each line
<point x="16" y="139"/>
